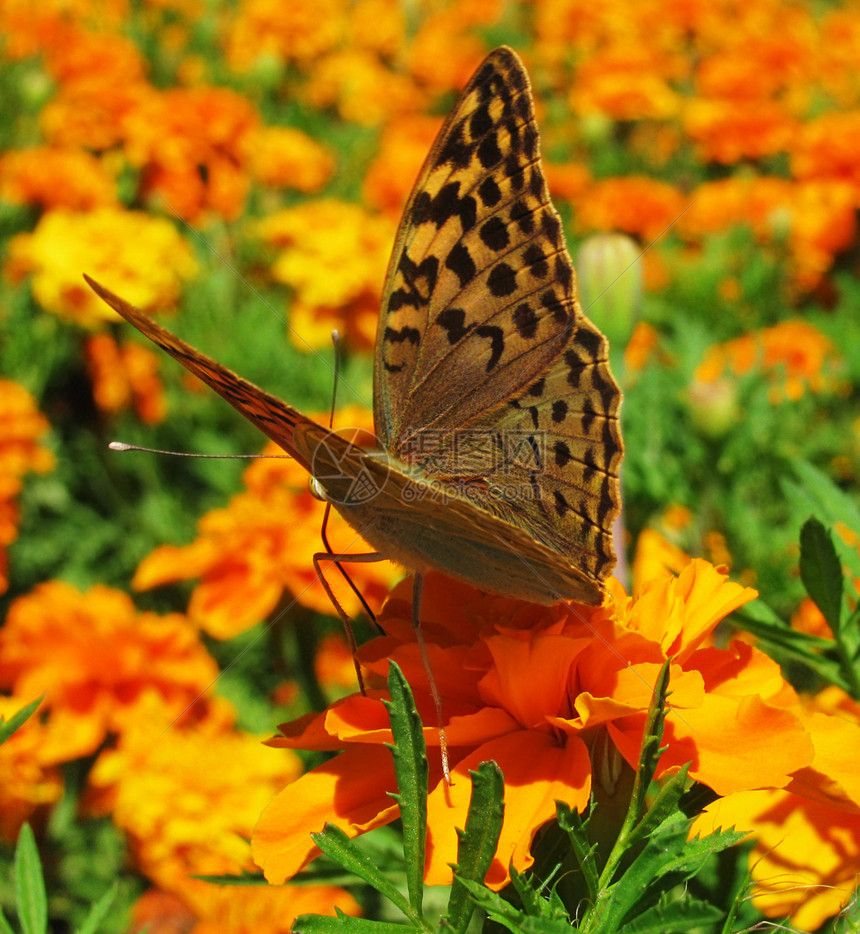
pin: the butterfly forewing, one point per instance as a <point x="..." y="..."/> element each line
<point x="479" y="297"/>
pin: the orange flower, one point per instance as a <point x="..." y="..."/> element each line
<point x="107" y="663"/>
<point x="142" y="257"/>
<point x="27" y="781"/>
<point x="126" y="375"/>
<point x="21" y="425"/>
<point x="793" y="350"/>
<point x="626" y="82"/>
<point x="806" y="859"/>
<point x="728" y="132"/>
<point x="826" y="147"/>
<point x="403" y="147"/>
<point x="314" y="239"/>
<point x="261" y="545"/>
<point x="634" y="204"/>
<point x="535" y="689"/>
<point x="55" y="178"/>
<point x="192" y="146"/>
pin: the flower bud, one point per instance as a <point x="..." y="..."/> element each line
<point x="609" y="271"/>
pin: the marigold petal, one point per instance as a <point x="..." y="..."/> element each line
<point x="537" y="772"/>
<point x="350" y="791"/>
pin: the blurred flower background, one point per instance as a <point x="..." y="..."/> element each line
<point x="238" y="169"/>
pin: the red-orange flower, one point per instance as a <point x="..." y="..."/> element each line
<point x="536" y="689"/>
<point x="634" y="204"/>
<point x="107" y="664"/>
<point x="54" y="177"/>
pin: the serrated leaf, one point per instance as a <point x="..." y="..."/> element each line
<point x="98" y="911"/>
<point x="346" y="924"/>
<point x="337" y="846"/>
<point x="665" y="805"/>
<point x="572" y="824"/>
<point x="410" y="767"/>
<point x="673" y="918"/>
<point x="821" y="571"/>
<point x="477" y="842"/>
<point x="30" y="895"/>
<point x="649" y="755"/>
<point x="510" y="917"/>
<point x="8" y="727"/>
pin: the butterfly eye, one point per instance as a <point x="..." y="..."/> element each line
<point x="317" y="490"/>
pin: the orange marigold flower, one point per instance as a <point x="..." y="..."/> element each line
<point x="314" y="239"/>
<point x="284" y="157"/>
<point x="826" y="147"/>
<point x="142" y="257"/>
<point x="107" y="662"/>
<point x="809" y="619"/>
<point x="806" y="859"/>
<point x="192" y="145"/>
<point x="55" y="178"/>
<point x="27" y="781"/>
<point x="567" y="181"/>
<point x="836" y="55"/>
<point x="21" y="426"/>
<point x="534" y="689"/>
<point x="656" y="554"/>
<point x="633" y="204"/>
<point x="727" y="132"/>
<point x="642" y="347"/>
<point x="362" y="88"/>
<point x="126" y="375"/>
<point x="261" y="545"/>
<point x="403" y="146"/>
<point x="795" y="351"/>
<point x="448" y="47"/>
<point x="294" y="32"/>
<point x="627" y="83"/>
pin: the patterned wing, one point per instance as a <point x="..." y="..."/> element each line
<point x="288" y="428"/>
<point x="479" y="293"/>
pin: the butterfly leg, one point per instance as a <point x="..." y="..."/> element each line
<point x="417" y="590"/>
<point x="318" y="558"/>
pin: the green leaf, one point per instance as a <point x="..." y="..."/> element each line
<point x="477" y="843"/>
<point x="649" y="755"/>
<point x="664" y="807"/>
<point x="572" y="824"/>
<point x="32" y="901"/>
<point x="759" y="619"/>
<point x="337" y="846"/>
<point x="821" y="571"/>
<point x="676" y="917"/>
<point x="8" y="727"/>
<point x="410" y="767"/>
<point x="5" y="927"/>
<point x="99" y="911"/>
<point x="346" y="924"/>
<point x="514" y="919"/>
<point x="818" y="494"/>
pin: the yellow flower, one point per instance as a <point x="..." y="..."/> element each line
<point x="107" y="664"/>
<point x="313" y="240"/>
<point x="142" y="257"/>
<point x="284" y="157"/>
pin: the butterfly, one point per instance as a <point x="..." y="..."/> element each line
<point x="494" y="406"/>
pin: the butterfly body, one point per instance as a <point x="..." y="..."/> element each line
<point x="494" y="406"/>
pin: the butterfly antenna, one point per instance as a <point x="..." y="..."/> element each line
<point x="122" y="446"/>
<point x="417" y="590"/>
